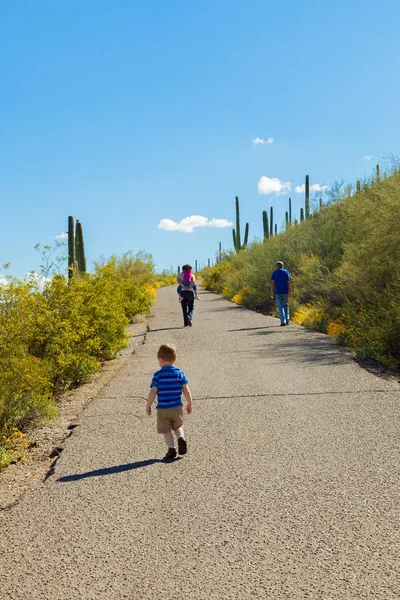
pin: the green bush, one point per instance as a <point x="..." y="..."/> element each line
<point x="25" y="386"/>
<point x="57" y="336"/>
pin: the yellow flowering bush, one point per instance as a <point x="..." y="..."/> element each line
<point x="337" y="327"/>
<point x="25" y="379"/>
<point x="25" y="390"/>
<point x="55" y="337"/>
<point x="214" y="278"/>
<point x="368" y="333"/>
<point x="164" y="280"/>
<point x="13" y="448"/>
<point x="312" y="316"/>
<point x="238" y="298"/>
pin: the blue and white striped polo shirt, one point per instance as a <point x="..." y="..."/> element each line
<point x="169" y="381"/>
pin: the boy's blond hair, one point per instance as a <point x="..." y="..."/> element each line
<point x="167" y="352"/>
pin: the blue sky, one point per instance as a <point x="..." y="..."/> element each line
<point x="127" y="113"/>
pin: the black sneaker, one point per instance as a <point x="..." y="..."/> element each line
<point x="189" y="321"/>
<point x="171" y="453"/>
<point x="287" y="322"/>
<point x="283" y="324"/>
<point x="182" y="446"/>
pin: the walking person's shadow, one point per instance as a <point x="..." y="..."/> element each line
<point x="116" y="469"/>
<point x="163" y="329"/>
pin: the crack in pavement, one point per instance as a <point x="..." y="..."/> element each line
<point x="268" y="395"/>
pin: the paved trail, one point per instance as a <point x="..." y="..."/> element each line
<point x="290" y="488"/>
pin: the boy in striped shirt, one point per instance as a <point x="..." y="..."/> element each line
<point x="168" y="384"/>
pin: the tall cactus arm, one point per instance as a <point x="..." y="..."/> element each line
<point x="238" y="243"/>
<point x="246" y="235"/>
<point x="71" y="246"/>
<point x="271" y="221"/>
<point x="307" y="199"/>
<point x="265" y="225"/>
<point x="80" y="248"/>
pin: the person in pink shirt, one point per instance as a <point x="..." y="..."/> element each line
<point x="187" y="291"/>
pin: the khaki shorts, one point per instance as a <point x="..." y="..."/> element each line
<point x="169" y="418"/>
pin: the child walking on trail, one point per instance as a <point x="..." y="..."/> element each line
<point x="168" y="384"/>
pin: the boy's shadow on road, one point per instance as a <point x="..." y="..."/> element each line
<point x="117" y="469"/>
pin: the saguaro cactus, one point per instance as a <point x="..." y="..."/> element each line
<point x="246" y="236"/>
<point x="237" y="224"/>
<point x="71" y="246"/>
<point x="276" y="229"/>
<point x="76" y="248"/>
<point x="287" y="219"/>
<point x="271" y="222"/>
<point x="301" y="214"/>
<point x="358" y="186"/>
<point x="290" y="211"/>
<point x="237" y="244"/>
<point x="307" y="199"/>
<point x="265" y="225"/>
<point x="80" y="248"/>
<point x="378" y="174"/>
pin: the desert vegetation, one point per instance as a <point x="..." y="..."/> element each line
<point x="56" y="331"/>
<point x="344" y="258"/>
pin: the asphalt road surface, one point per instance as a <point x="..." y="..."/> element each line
<point x="290" y="488"/>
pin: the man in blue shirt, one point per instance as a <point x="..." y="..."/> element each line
<point x="282" y="288"/>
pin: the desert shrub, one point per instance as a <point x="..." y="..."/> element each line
<point x="214" y="278"/>
<point x="25" y="388"/>
<point x="345" y="266"/>
<point x="138" y="268"/>
<point x="313" y="279"/>
<point x="13" y="448"/>
<point x="312" y="316"/>
<point x="165" y="280"/>
<point x="62" y="333"/>
<point x="56" y="334"/>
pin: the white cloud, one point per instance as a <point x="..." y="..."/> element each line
<point x="38" y="278"/>
<point x="258" y="140"/>
<point x="315" y="187"/>
<point x="62" y="236"/>
<point x="367" y="157"/>
<point x="189" y="223"/>
<point x="273" y="185"/>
